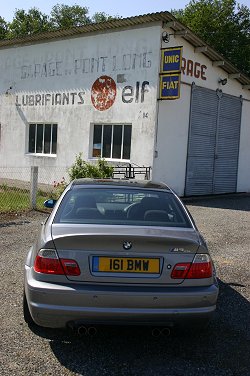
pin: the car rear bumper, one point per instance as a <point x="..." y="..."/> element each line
<point x="56" y="305"/>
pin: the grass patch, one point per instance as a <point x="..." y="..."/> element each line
<point x="13" y="200"/>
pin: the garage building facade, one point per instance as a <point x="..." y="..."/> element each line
<point x="97" y="90"/>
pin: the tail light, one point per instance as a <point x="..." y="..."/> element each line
<point x="47" y="262"/>
<point x="201" y="267"/>
<point x="180" y="270"/>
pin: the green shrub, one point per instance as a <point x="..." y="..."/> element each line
<point x="83" y="169"/>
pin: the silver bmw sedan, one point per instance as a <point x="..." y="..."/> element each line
<point x="118" y="252"/>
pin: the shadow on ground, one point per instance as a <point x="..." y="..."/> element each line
<point x="232" y="202"/>
<point x="221" y="349"/>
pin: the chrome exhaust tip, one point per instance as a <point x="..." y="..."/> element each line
<point x="82" y="331"/>
<point x="157" y="332"/>
<point x="166" y="332"/>
<point x="92" y="331"/>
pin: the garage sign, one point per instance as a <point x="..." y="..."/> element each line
<point x="170" y="73"/>
<point x="171" y="59"/>
<point x="170" y="86"/>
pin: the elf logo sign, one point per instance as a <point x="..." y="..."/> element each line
<point x="103" y="93"/>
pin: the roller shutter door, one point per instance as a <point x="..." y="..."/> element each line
<point x="213" y="147"/>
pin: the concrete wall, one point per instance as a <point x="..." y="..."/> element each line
<point x="53" y="82"/>
<point x="173" y="119"/>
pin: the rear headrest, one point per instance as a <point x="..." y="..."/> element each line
<point x="88" y="213"/>
<point x="85" y="201"/>
<point x="156" y="215"/>
<point x="151" y="203"/>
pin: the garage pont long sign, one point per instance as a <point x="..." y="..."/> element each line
<point x="170" y="73"/>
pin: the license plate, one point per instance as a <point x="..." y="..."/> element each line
<point x="126" y="265"/>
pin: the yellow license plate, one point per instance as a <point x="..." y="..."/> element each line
<point x="126" y="265"/>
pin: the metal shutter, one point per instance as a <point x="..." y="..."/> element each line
<point x="227" y="145"/>
<point x="213" y="147"/>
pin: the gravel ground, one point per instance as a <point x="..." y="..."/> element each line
<point x="223" y="349"/>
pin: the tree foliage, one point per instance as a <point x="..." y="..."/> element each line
<point x="64" y="16"/>
<point x="27" y="23"/>
<point x="223" y="24"/>
<point x="102" y="17"/>
<point x="61" y="17"/>
<point x="3" y="28"/>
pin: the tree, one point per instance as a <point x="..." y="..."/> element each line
<point x="223" y="24"/>
<point x="3" y="28"/>
<point x="64" y="16"/>
<point x="102" y="17"/>
<point x="61" y="17"/>
<point x="27" y="23"/>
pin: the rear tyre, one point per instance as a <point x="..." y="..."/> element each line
<point x="26" y="312"/>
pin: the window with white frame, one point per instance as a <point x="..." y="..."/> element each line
<point x="42" y="138"/>
<point x="112" y="141"/>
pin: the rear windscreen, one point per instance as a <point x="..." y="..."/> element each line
<point x="118" y="206"/>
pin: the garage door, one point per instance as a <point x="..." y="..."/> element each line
<point x="213" y="146"/>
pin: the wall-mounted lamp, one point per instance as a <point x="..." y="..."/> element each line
<point x="222" y="81"/>
<point x="166" y="36"/>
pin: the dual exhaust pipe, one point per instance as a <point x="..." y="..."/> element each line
<point x="92" y="331"/>
<point x="84" y="331"/>
<point x="157" y="332"/>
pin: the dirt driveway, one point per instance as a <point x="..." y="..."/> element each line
<point x="224" y="349"/>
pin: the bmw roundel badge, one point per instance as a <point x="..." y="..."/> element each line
<point x="127" y="245"/>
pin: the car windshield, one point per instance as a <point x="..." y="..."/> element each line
<point x="121" y="206"/>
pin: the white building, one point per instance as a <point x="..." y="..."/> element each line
<point x="96" y="90"/>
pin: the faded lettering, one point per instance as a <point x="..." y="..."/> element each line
<point x="127" y="94"/>
<point x="137" y="93"/>
<point x="103" y="95"/>
<point x="53" y="99"/>
<point x="86" y="65"/>
<point x="193" y="69"/>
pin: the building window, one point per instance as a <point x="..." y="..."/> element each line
<point x="42" y="138"/>
<point x="112" y="141"/>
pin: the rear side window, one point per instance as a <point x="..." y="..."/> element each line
<point x="121" y="206"/>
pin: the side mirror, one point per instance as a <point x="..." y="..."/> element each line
<point x="49" y="203"/>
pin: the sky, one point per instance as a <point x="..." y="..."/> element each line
<point x="122" y="8"/>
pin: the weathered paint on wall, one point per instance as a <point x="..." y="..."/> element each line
<point x="103" y="78"/>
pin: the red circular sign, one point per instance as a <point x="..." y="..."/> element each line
<point x="103" y="93"/>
